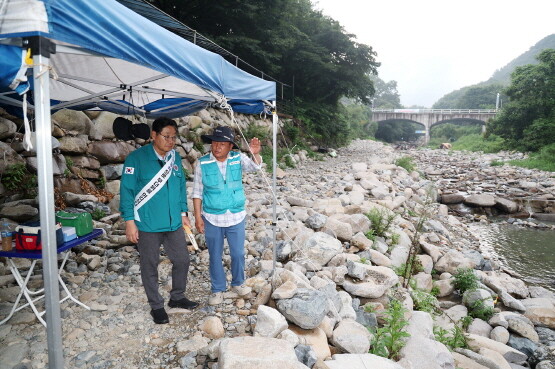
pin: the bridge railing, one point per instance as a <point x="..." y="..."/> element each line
<point x="437" y="111"/>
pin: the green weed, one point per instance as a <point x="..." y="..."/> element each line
<point x="479" y="310"/>
<point x="390" y="339"/>
<point x="464" y="280"/>
<point x="98" y="214"/>
<point x="406" y="162"/>
<point x="381" y="220"/>
<point x="16" y="177"/>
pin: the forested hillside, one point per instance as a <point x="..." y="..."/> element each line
<point x="483" y="95"/>
<point x="503" y="75"/>
<point x="293" y="43"/>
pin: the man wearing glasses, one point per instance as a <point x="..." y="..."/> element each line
<point x="153" y="204"/>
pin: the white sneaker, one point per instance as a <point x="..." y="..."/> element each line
<point x="241" y="290"/>
<point x="216" y="298"/>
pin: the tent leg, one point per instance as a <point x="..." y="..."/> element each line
<point x="41" y="60"/>
<point x="274" y="199"/>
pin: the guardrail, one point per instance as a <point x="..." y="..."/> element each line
<point x="438" y="111"/>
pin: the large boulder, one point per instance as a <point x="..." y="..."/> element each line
<point x="7" y="128"/>
<point x="541" y="311"/>
<point x="317" y="251"/>
<point x="510" y="354"/>
<point x="376" y="282"/>
<point x="269" y="322"/>
<point x="351" y="337"/>
<point x="361" y="361"/>
<point x="72" y="120"/>
<point x="480" y="200"/>
<point x="108" y="152"/>
<point x="452" y="261"/>
<point x="306" y="308"/>
<point x="257" y="352"/>
<point x="73" y="144"/>
<point x="9" y="157"/>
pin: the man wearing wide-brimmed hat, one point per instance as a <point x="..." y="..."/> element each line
<point x="219" y="204"/>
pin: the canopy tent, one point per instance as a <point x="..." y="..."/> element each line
<point x="99" y="55"/>
<point x="108" y="57"/>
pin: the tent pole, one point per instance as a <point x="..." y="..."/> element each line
<point x="41" y="59"/>
<point x="274" y="168"/>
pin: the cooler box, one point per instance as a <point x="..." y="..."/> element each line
<point x="69" y="233"/>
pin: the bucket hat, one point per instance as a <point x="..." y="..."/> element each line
<point x="125" y="130"/>
<point x="220" y="134"/>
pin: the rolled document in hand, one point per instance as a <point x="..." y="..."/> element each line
<point x="191" y="236"/>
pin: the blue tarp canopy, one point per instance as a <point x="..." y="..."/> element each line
<point x="110" y="58"/>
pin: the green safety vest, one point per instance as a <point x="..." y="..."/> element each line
<point x="219" y="194"/>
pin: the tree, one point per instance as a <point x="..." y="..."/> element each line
<point x="289" y="39"/>
<point x="386" y="96"/>
<point x="527" y="121"/>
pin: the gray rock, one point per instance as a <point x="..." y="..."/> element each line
<point x="546" y="336"/>
<point x="19" y="213"/>
<point x="360" y="361"/>
<point x="110" y="152"/>
<point x="426" y="353"/>
<point x="452" y="261"/>
<point x="257" y="352"/>
<point x="480" y="359"/>
<point x="522" y="344"/>
<point x="479" y="327"/>
<point x="452" y="198"/>
<point x="316" y="221"/>
<point x="306" y="308"/>
<point x="351" y="337"/>
<point x="470" y="297"/>
<point x="506" y="205"/>
<point x="269" y="322"/>
<point x="73" y="144"/>
<point x="306" y="355"/>
<point x="523" y="326"/>
<point x="366" y="319"/>
<point x="9" y="157"/>
<point x="500" y="334"/>
<point x="317" y="251"/>
<point x="13" y="354"/>
<point x="480" y="200"/>
<point x="510" y="302"/>
<point x="73" y="120"/>
<point x="7" y="128"/>
<point x="111" y="171"/>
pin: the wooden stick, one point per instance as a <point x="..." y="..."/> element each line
<point x="191" y="236"/>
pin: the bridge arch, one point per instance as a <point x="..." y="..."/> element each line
<point x="432" y="117"/>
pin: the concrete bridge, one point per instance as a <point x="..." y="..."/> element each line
<point x="433" y="117"/>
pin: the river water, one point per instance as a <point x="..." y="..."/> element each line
<point x="529" y="252"/>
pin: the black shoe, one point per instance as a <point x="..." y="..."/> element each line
<point x="160" y="316"/>
<point x="184" y="303"/>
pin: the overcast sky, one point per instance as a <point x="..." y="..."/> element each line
<point x="432" y="47"/>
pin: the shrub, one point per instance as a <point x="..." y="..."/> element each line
<point x="424" y="301"/>
<point x="406" y="162"/>
<point x="16" y="177"/>
<point x="389" y="339"/>
<point x="416" y="265"/>
<point x="464" y="280"/>
<point x="479" y="310"/>
<point x="454" y="340"/>
<point x="381" y="220"/>
<point x="254" y="130"/>
<point x="98" y="214"/>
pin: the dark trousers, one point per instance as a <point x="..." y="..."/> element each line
<point x="149" y="253"/>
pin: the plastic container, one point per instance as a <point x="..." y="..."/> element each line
<point x="7" y="236"/>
